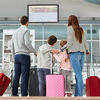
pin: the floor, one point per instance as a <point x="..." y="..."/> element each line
<point x="8" y="93"/>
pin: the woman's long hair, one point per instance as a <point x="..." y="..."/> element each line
<point x="62" y="43"/>
<point x="73" y="21"/>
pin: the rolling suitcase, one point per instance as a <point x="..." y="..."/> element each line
<point x="55" y="86"/>
<point x="93" y="86"/>
<point x="4" y="82"/>
<point x="33" y="82"/>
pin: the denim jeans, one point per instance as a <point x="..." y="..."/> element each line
<point x="42" y="73"/>
<point x="22" y="66"/>
<point x="77" y="62"/>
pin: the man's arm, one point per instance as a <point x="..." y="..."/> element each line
<point x="12" y="49"/>
<point x="28" y="43"/>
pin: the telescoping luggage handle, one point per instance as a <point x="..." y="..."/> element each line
<point x="51" y="72"/>
<point x="51" y="62"/>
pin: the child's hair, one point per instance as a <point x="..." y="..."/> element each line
<point x="62" y="43"/>
<point x="52" y="39"/>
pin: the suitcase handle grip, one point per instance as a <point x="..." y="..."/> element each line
<point x="3" y="86"/>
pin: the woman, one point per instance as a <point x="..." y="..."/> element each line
<point x="77" y="47"/>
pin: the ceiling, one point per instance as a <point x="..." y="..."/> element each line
<point x="17" y="8"/>
<point x="93" y="1"/>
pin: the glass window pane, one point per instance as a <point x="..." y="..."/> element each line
<point x="0" y="53"/>
<point x="1" y="33"/>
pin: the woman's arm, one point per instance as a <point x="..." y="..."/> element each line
<point x="70" y="32"/>
<point x="86" y="45"/>
<point x="85" y="42"/>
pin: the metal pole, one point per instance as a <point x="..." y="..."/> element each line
<point x="43" y="34"/>
<point x="91" y="46"/>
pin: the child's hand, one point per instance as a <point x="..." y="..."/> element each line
<point x="55" y="51"/>
<point x="67" y="59"/>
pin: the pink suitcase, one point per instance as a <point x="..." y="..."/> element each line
<point x="55" y="86"/>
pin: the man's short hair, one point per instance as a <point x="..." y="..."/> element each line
<point x="24" y="20"/>
<point x="52" y="39"/>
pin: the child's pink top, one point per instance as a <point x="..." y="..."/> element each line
<point x="61" y="58"/>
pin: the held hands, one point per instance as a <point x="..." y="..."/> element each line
<point x="55" y="51"/>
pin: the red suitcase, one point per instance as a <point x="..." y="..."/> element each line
<point x="93" y="86"/>
<point x="4" y="82"/>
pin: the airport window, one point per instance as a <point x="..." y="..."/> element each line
<point x="93" y="31"/>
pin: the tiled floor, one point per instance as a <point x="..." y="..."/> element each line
<point x="9" y="91"/>
<point x="8" y="95"/>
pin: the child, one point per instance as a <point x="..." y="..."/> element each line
<point x="65" y="66"/>
<point x="44" y="63"/>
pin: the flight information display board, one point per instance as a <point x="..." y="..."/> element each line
<point x="43" y="13"/>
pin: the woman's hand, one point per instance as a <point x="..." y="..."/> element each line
<point x="87" y="53"/>
<point x="55" y="51"/>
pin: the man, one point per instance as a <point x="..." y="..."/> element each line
<point x="21" y="48"/>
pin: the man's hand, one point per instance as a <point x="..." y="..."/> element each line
<point x="36" y="54"/>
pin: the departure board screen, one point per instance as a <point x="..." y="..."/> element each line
<point x="43" y="13"/>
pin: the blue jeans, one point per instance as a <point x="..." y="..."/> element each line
<point x="77" y="62"/>
<point x="22" y="66"/>
<point x="42" y="73"/>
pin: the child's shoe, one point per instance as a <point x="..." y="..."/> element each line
<point x="69" y="94"/>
